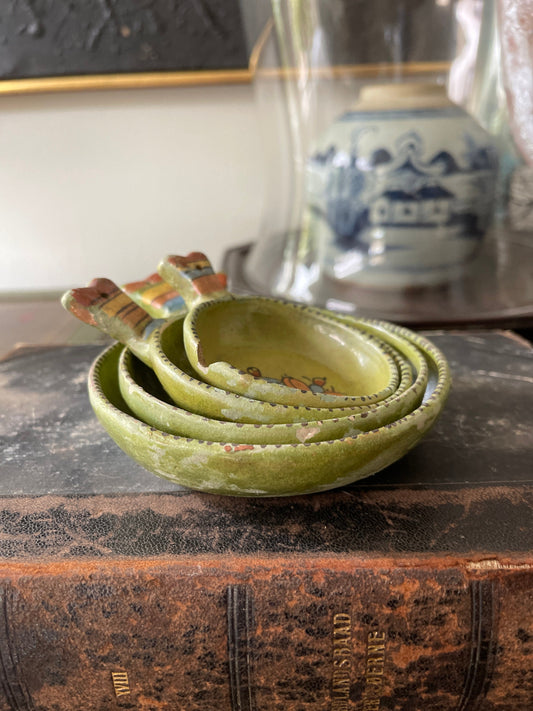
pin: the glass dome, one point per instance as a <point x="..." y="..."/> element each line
<point x="388" y="158"/>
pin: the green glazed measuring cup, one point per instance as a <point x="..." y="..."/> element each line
<point x="147" y="399"/>
<point x="157" y="343"/>
<point x="272" y="350"/>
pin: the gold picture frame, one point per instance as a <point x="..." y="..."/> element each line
<point x="141" y="80"/>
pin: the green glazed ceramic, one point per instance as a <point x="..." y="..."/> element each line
<point x="159" y="343"/>
<point x="271" y="350"/>
<point x="148" y="400"/>
<point x="174" y="372"/>
<point x="181" y="421"/>
<point x="263" y="469"/>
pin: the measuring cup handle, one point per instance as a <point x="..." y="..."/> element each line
<point x="159" y="298"/>
<point x="194" y="278"/>
<point x="104" y="305"/>
<point x="156" y="296"/>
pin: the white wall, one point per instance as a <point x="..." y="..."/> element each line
<point x="106" y="183"/>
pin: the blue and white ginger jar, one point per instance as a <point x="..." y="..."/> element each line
<point x="400" y="189"/>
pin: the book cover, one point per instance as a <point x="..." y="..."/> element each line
<point x="412" y="589"/>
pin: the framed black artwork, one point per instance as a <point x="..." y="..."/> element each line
<point x="48" y="45"/>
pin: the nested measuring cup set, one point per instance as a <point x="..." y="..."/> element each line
<point x="253" y="396"/>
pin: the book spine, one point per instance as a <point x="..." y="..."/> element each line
<point x="244" y="634"/>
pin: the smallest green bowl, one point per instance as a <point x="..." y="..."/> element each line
<point x="286" y="353"/>
<point x="272" y="350"/>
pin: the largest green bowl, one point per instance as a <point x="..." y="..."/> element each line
<point x="262" y="470"/>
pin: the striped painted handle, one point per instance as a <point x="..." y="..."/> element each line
<point x="194" y="278"/>
<point x="104" y="305"/>
<point x="159" y="298"/>
<point x="155" y="296"/>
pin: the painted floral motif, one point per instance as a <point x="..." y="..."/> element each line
<point x="315" y="385"/>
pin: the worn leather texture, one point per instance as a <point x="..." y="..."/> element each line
<point x="266" y="633"/>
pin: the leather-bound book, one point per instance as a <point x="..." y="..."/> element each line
<point x="410" y="590"/>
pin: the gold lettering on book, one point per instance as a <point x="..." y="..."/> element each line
<point x="342" y="662"/>
<point x="374" y="671"/>
<point x="121" y="683"/>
